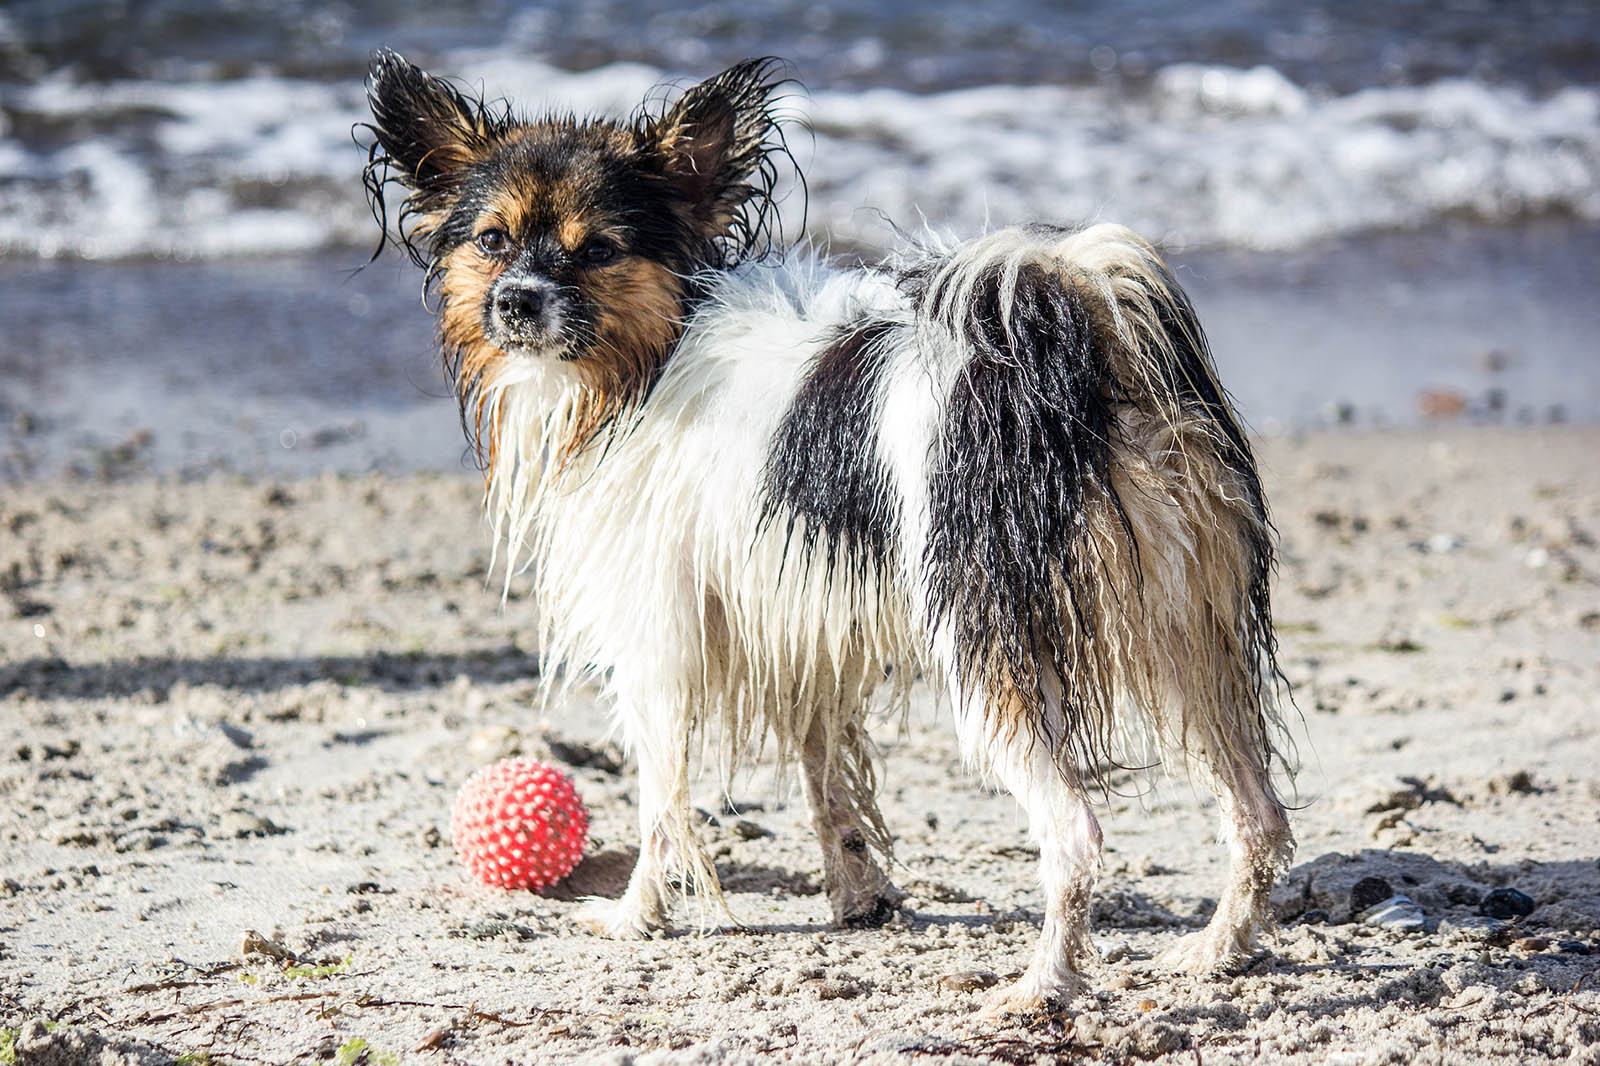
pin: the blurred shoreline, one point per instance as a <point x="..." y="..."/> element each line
<point x="1387" y="214"/>
<point x="296" y="365"/>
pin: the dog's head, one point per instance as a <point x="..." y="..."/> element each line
<point x="571" y="240"/>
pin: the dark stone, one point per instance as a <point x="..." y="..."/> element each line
<point x="1314" y="916"/>
<point x="491" y="928"/>
<point x="745" y="829"/>
<point x="1368" y="892"/>
<point x="1506" y="903"/>
<point x="1573" y="947"/>
<point x="607" y="758"/>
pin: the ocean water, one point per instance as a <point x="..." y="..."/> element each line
<point x="1371" y="202"/>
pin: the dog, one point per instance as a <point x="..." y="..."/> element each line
<point x="754" y="489"/>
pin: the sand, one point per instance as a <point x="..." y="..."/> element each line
<point x="231" y="705"/>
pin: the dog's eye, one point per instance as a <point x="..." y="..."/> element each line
<point x="598" y="252"/>
<point x="493" y="241"/>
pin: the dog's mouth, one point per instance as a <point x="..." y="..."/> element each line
<point x="535" y="347"/>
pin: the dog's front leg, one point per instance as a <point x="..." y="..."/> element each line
<point x="1035" y="765"/>
<point x="642" y="908"/>
<point x="658" y="735"/>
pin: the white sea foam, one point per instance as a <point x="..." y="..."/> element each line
<point x="1211" y="157"/>
<point x="1208" y="156"/>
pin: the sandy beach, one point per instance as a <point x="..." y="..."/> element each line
<point x="250" y="647"/>
<point x="232" y="705"/>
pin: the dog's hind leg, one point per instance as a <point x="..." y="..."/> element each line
<point x="839" y="785"/>
<point x="1040" y="775"/>
<point x="1209" y="653"/>
<point x="1068" y="836"/>
<point x="1256" y="827"/>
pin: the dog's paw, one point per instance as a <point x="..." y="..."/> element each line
<point x="618" y="919"/>
<point x="871" y="913"/>
<point x="1209" y="951"/>
<point x="1034" y="993"/>
<point x="868" y="909"/>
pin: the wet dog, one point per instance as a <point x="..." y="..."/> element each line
<point x="750" y="483"/>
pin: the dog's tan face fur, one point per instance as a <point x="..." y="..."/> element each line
<point x="561" y="239"/>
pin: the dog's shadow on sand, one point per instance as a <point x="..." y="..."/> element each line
<point x="1567" y="898"/>
<point x="605" y="874"/>
<point x="55" y="678"/>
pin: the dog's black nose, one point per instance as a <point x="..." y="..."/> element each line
<point x="520" y="304"/>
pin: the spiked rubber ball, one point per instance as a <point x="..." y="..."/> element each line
<point x="519" y="824"/>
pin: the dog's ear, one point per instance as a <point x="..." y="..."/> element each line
<point x="427" y="128"/>
<point x="714" y="144"/>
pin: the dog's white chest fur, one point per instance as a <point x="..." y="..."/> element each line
<point x="648" y="552"/>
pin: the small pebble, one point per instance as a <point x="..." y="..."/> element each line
<point x="1532" y="945"/>
<point x="968" y="980"/>
<point x="253" y="943"/>
<point x="1506" y="784"/>
<point x="494" y="928"/>
<point x="1506" y="903"/>
<point x="1399" y="913"/>
<point x="842" y="987"/>
<point x="1573" y="947"/>
<point x="1152" y="1039"/>
<point x="748" y="830"/>
<point x="239" y="824"/>
<point x="1472" y="995"/>
<point x="1472" y="926"/>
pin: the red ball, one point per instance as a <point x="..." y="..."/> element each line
<point x="519" y="824"/>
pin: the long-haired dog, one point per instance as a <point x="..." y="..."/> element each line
<point x="751" y="487"/>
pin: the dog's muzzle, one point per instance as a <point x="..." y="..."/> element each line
<point x="524" y="313"/>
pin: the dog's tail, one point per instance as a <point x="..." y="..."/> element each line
<point x="1097" y="536"/>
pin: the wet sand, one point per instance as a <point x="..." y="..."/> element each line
<point x="237" y="703"/>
